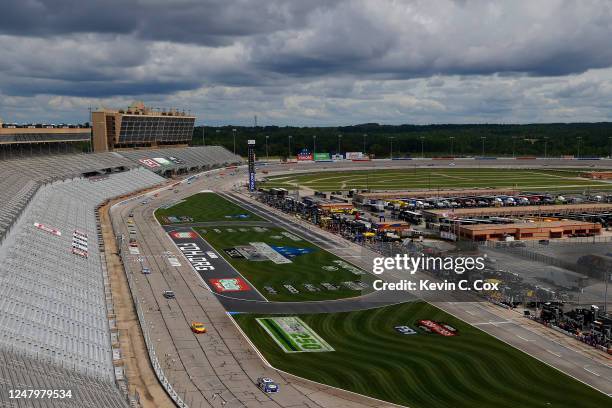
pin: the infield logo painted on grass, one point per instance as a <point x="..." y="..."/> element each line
<point x="183" y="234"/>
<point x="293" y="335"/>
<point x="229" y="285"/>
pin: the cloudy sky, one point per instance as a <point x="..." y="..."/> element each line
<point x="309" y="62"/>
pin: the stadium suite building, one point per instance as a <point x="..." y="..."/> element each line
<point x="40" y="138"/>
<point x="139" y="126"/>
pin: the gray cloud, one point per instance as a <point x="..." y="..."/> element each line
<point x="318" y="61"/>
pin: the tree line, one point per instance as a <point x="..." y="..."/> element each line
<point x="552" y="140"/>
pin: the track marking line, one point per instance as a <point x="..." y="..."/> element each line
<point x="592" y="372"/>
<point x="521" y="337"/>
<point x="553" y="353"/>
<point x="493" y="323"/>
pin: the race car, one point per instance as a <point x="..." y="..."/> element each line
<point x="198" y="327"/>
<point x="267" y="385"/>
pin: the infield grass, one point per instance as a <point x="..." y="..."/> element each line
<point x="470" y="370"/>
<point x="305" y="268"/>
<point x="206" y="207"/>
<point x="436" y="178"/>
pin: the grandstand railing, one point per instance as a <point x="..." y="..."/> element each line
<point x="159" y="372"/>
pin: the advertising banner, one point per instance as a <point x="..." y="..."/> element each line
<point x="322" y="157"/>
<point x="195" y="255"/>
<point x="439" y="328"/>
<point x="162" y="161"/>
<point x="293" y="335"/>
<point x="229" y="285"/>
<point x="304" y="155"/>
<point x="355" y="156"/>
<point x="251" y="157"/>
<point x="50" y="230"/>
<point x="149" y="163"/>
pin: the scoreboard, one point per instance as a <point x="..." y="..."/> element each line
<point x="251" y="157"/>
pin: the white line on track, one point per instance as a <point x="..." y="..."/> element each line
<point x="553" y="353"/>
<point x="592" y="372"/>
<point x="521" y="337"/>
<point x="494" y="323"/>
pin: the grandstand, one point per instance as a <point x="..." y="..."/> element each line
<point x="52" y="285"/>
<point x="182" y="160"/>
<point x="21" y="178"/>
<point x="57" y="326"/>
<point x="52" y="300"/>
<point x="18" y="371"/>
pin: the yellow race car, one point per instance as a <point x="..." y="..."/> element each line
<point x="198" y="327"/>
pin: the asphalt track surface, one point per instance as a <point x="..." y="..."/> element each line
<point x="219" y="368"/>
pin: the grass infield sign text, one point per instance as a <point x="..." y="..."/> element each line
<point x="293" y="335"/>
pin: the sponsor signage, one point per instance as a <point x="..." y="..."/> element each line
<point x="347" y="266"/>
<point x="291" y="252"/>
<point x="149" y="163"/>
<point x="436" y="327"/>
<point x="260" y="251"/>
<point x="405" y="330"/>
<point x="292" y="335"/>
<point x="269" y="252"/>
<point x="251" y="163"/>
<point x="183" y="234"/>
<point x="162" y="161"/>
<point x="291" y="289"/>
<point x="354" y="156"/>
<point x="229" y="285"/>
<point x="233" y="253"/>
<point x="50" y="230"/>
<point x="79" y="243"/>
<point x="304" y="155"/>
<point x="322" y="157"/>
<point x="195" y="256"/>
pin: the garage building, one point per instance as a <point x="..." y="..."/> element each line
<point x="528" y="231"/>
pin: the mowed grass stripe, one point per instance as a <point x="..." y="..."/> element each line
<point x="425" y="370"/>
<point x="279" y="334"/>
<point x="205" y="207"/>
<point x="437" y="178"/>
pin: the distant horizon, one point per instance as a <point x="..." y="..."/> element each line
<point x="201" y="124"/>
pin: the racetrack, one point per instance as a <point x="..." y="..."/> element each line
<point x="223" y="364"/>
